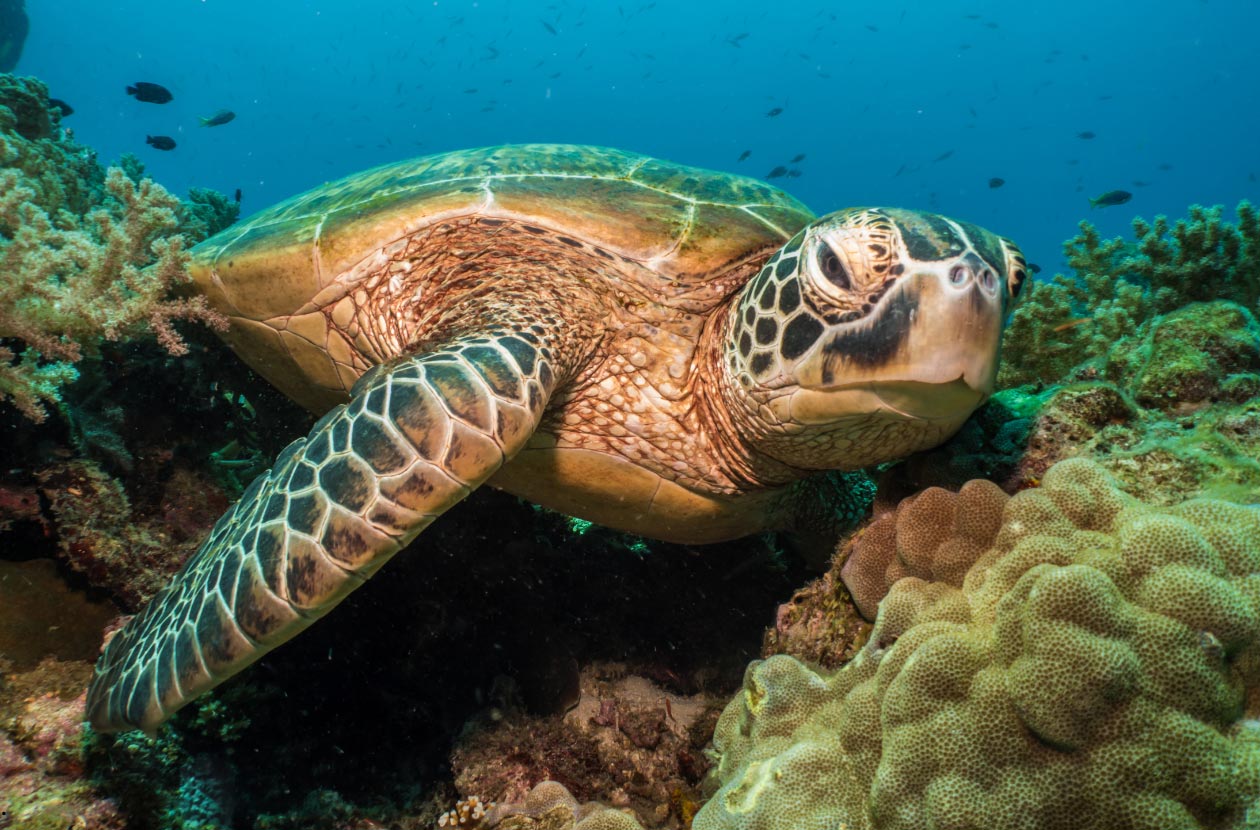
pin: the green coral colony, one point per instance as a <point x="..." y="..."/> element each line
<point x="658" y="348"/>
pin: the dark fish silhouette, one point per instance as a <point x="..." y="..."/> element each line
<point x="776" y="111"/>
<point x="943" y="156"/>
<point x="1087" y="135"/>
<point x="1034" y="267"/>
<point x="872" y="28"/>
<point x="237" y="196"/>
<point x="744" y="155"/>
<point x="160" y="142"/>
<point x="61" y="106"/>
<point x="796" y="159"/>
<point x="995" y="183"/>
<point x="549" y="27"/>
<point x="218" y="119"/>
<point x="777" y="172"/>
<point x="794" y="173"/>
<point x="150" y="93"/>
<point x="1111" y="198"/>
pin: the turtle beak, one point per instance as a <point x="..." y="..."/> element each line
<point x="928" y="351"/>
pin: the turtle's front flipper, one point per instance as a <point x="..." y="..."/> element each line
<point x="419" y="434"/>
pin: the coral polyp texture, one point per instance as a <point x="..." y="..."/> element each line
<point x="1117" y="285"/>
<point x="1097" y="666"/>
<point x="87" y="255"/>
<point x="548" y="806"/>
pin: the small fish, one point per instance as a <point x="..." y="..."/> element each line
<point x="1087" y="135"/>
<point x="1140" y="183"/>
<point x="797" y="159"/>
<point x="160" y="142"/>
<point x="1034" y="267"/>
<point x="1111" y="198"/>
<point x="794" y="173"/>
<point x="872" y="28"/>
<point x="549" y="27"/>
<point x="943" y="156"/>
<point x="61" y="106"/>
<point x="150" y="93"/>
<point x="472" y="90"/>
<point x="995" y="183"/>
<point x="744" y="155"/>
<point x="777" y="172"/>
<point x="237" y="196"/>
<point x="776" y="111"/>
<point x="1165" y="167"/>
<point x="219" y="118"/>
<point x="1071" y="324"/>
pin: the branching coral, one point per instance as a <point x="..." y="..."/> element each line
<point x="1098" y="666"/>
<point x="1118" y="285"/>
<point x="81" y="262"/>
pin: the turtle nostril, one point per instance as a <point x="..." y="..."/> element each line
<point x="959" y="274"/>
<point x="988" y="279"/>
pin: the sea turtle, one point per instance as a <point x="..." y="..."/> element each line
<point x="658" y="348"/>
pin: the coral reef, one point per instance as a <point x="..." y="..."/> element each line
<point x="1118" y="285"/>
<point x="42" y="785"/>
<point x="935" y="536"/>
<point x="548" y="806"/>
<point x="1097" y="666"/>
<point x="627" y="742"/>
<point x="1172" y="411"/>
<point x="1193" y="356"/>
<point x="90" y="256"/>
<point x="101" y="537"/>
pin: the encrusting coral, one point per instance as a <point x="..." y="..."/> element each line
<point x="1117" y="285"/>
<point x="85" y="256"/>
<point x="548" y="806"/>
<point x="1098" y="666"/>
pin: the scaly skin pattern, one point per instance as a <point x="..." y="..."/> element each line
<point x="657" y="348"/>
<point x="420" y="433"/>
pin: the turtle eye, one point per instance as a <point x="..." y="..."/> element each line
<point x="832" y="268"/>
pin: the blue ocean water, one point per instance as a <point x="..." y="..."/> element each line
<point x="915" y="104"/>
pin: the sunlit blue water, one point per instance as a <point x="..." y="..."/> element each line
<point x="916" y="104"/>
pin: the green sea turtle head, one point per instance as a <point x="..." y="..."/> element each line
<point x="872" y="327"/>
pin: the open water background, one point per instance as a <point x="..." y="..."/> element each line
<point x="916" y="104"/>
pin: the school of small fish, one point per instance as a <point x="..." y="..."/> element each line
<point x="558" y="21"/>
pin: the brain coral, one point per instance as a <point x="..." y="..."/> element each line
<point x="1098" y="666"/>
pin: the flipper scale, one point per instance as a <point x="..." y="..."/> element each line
<point x="419" y="434"/>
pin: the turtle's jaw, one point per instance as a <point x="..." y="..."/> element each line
<point x="951" y="402"/>
<point x="928" y="352"/>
